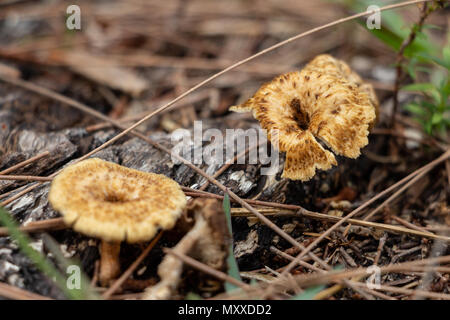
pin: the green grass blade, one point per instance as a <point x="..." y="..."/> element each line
<point x="233" y="269"/>
<point x="309" y="294"/>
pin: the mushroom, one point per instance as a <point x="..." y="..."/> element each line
<point x="115" y="203"/>
<point x="327" y="101"/>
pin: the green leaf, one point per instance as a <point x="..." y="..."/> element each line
<point x="447" y="122"/>
<point x="233" y="269"/>
<point x="436" y="118"/>
<point x="425" y="86"/>
<point x="439" y="78"/>
<point x="411" y="68"/>
<point x="431" y="26"/>
<point x="414" y="108"/>
<point x="431" y="58"/>
<point x="446" y="87"/>
<point x="446" y="55"/>
<point x="429" y="106"/>
<point x="428" y="126"/>
<point x="423" y="69"/>
<point x="387" y="37"/>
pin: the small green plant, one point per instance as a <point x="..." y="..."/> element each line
<point x="426" y="62"/>
<point x="432" y="109"/>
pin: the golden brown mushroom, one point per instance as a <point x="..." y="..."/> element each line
<point x="115" y="203"/>
<point x="325" y="100"/>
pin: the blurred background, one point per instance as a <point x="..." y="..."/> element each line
<point x="132" y="56"/>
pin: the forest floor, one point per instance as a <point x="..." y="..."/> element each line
<point x="129" y="59"/>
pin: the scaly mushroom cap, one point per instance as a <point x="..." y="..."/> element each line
<point x="325" y="100"/>
<point x="116" y="203"/>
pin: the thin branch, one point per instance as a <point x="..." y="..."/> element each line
<point x="326" y="217"/>
<point x="38" y="226"/>
<point x="11" y="292"/>
<point x="290" y="258"/>
<point x="24" y="163"/>
<point x="313" y="279"/>
<point x="381" y="244"/>
<point x="295" y="210"/>
<point x="21" y="193"/>
<point x="24" y="178"/>
<point x="427" y="294"/>
<point x="409" y="224"/>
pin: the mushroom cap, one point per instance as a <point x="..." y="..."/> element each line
<point x="327" y="101"/>
<point x="115" y="203"/>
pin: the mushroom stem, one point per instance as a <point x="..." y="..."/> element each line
<point x="109" y="261"/>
